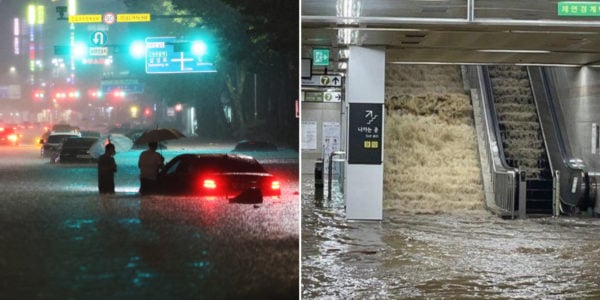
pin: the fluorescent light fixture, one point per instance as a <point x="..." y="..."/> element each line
<point x="432" y="63"/>
<point x="380" y="29"/>
<point x="553" y="32"/>
<point x="547" y="65"/>
<point x="513" y="51"/>
<point x="475" y="64"/>
<point x="348" y="8"/>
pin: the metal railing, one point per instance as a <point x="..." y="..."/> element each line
<point x="330" y="172"/>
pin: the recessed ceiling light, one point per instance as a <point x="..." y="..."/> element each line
<point x="512" y="51"/>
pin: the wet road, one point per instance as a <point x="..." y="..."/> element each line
<point x="449" y="256"/>
<point x="59" y="239"/>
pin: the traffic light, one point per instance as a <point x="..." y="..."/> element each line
<point x="137" y="49"/>
<point x="38" y="94"/>
<point x="94" y="93"/>
<point x="80" y="50"/>
<point x="198" y="48"/>
<point x="118" y="94"/>
<point x="66" y="94"/>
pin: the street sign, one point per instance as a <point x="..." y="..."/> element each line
<point x="98" y="38"/>
<point x="323" y="80"/>
<point x="127" y="85"/>
<point x="109" y="18"/>
<point x="121" y="18"/>
<point x="161" y="58"/>
<point x="85" y="19"/>
<point x="98" y="51"/>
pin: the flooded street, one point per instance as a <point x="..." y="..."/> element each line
<point x="475" y="255"/>
<point x="60" y="239"/>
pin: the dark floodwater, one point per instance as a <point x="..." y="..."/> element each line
<point x="61" y="240"/>
<point x="452" y="256"/>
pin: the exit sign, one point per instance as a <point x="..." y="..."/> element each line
<point x="320" y="57"/>
<point x="578" y="9"/>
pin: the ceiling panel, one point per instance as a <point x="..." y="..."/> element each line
<point x="421" y="31"/>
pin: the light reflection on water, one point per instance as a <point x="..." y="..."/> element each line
<point x="474" y="255"/>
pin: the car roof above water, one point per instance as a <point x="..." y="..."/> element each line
<point x="223" y="162"/>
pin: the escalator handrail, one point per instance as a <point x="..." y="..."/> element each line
<point x="489" y="98"/>
<point x="504" y="178"/>
<point x="558" y="133"/>
<point x="560" y="164"/>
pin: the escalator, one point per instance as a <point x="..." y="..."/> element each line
<point x="521" y="136"/>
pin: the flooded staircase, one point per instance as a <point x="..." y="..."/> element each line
<point x="521" y="134"/>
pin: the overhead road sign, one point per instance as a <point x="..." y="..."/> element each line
<point x="121" y="18"/>
<point x="85" y="19"/>
<point x="98" y="38"/>
<point x="161" y="57"/>
<point x="127" y="85"/>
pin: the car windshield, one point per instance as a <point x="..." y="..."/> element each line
<point x="57" y="138"/>
<point x="78" y="143"/>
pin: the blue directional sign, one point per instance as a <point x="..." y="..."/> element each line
<point x="161" y="57"/>
<point x="127" y="85"/>
<point x="98" y="38"/>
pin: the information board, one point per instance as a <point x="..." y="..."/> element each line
<point x="365" y="132"/>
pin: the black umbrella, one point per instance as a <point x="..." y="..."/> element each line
<point x="158" y="135"/>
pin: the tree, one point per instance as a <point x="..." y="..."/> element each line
<point x="253" y="38"/>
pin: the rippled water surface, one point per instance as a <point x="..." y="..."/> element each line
<point x="477" y="255"/>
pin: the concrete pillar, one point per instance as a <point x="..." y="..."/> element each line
<point x="365" y="89"/>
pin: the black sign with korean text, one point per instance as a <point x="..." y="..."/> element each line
<point x="365" y="132"/>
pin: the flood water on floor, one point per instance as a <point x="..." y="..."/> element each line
<point x="451" y="255"/>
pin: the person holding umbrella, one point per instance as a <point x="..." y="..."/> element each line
<point x="106" y="170"/>
<point x="150" y="163"/>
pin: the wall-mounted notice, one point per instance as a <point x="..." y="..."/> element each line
<point x="309" y="135"/>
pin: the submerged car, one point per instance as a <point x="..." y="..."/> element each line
<point x="74" y="150"/>
<point x="50" y="145"/>
<point x="237" y="178"/>
<point x="254" y="146"/>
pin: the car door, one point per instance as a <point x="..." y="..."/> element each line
<point x="175" y="177"/>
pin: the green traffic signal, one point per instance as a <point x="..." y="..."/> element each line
<point x="198" y="47"/>
<point x="137" y="49"/>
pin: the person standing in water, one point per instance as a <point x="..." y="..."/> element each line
<point x="106" y="170"/>
<point x="150" y="163"/>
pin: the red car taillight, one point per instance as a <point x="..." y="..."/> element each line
<point x="275" y="185"/>
<point x="210" y="184"/>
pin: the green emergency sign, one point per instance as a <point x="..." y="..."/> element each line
<point x="321" y="57"/>
<point x="578" y="9"/>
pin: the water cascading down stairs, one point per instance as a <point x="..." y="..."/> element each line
<point x="521" y="134"/>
